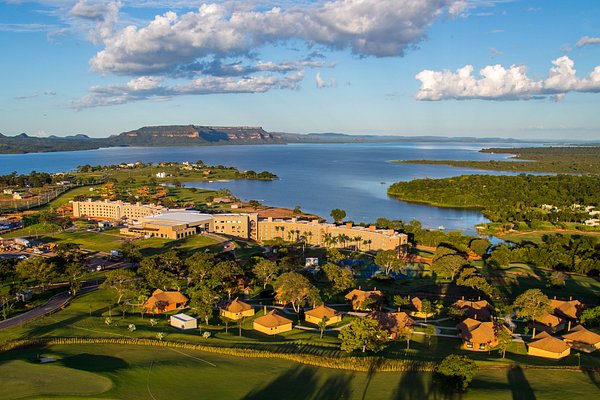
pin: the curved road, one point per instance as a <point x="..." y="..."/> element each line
<point x="55" y="303"/>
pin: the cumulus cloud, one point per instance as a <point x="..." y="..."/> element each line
<point x="324" y="83"/>
<point x="584" y="41"/>
<point x="380" y="28"/>
<point x="101" y="15"/>
<point x="498" y="83"/>
<point x="153" y="88"/>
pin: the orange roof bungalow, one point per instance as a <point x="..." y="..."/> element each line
<point x="316" y="315"/>
<point x="479" y="336"/>
<point x="236" y="309"/>
<point x="357" y="297"/>
<point x="272" y="324"/>
<point x="416" y="305"/>
<point x="582" y="339"/>
<point x="548" y="347"/>
<point x="481" y="309"/>
<point x="395" y="323"/>
<point x="550" y="323"/>
<point x="162" y="301"/>
<point x="569" y="309"/>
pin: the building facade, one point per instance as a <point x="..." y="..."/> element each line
<point x="114" y="210"/>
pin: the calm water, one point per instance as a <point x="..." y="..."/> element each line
<point x="318" y="177"/>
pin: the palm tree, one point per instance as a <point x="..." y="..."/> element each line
<point x="341" y="238"/>
<point x="357" y="239"/>
<point x="327" y="238"/>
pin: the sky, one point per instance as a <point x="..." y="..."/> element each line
<point x="485" y="68"/>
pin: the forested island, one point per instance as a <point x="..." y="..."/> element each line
<point x="523" y="198"/>
<point x="560" y="160"/>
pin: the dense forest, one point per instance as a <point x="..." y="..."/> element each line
<point x="508" y="198"/>
<point x="560" y="160"/>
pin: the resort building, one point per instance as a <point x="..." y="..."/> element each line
<point x="272" y="323"/>
<point x="113" y="210"/>
<point x="329" y="235"/>
<point x="183" y="322"/>
<point x="479" y="336"/>
<point x="481" y="309"/>
<point x="157" y="221"/>
<point x="316" y="315"/>
<point x="395" y="323"/>
<point x="582" y="339"/>
<point x="548" y="347"/>
<point x="236" y="309"/>
<point x="357" y="297"/>
<point x="172" y="224"/>
<point x="162" y="301"/>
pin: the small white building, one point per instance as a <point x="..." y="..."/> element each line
<point x="183" y="321"/>
<point x="161" y="174"/>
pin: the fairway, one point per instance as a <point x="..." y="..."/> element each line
<point x="131" y="372"/>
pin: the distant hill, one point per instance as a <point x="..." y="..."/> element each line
<point x="197" y="135"/>
<point x="176" y="135"/>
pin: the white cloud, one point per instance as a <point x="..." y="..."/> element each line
<point x="152" y="88"/>
<point x="584" y="41"/>
<point x="101" y="15"/>
<point x="499" y="83"/>
<point x="323" y="83"/>
<point x="495" y="52"/>
<point x="380" y="28"/>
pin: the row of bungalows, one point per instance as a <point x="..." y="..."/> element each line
<point x="561" y="316"/>
<point x="579" y="338"/>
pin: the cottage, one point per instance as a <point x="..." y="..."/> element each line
<point x="481" y="309"/>
<point x="395" y="323"/>
<point x="416" y="309"/>
<point x="316" y="315"/>
<point x="550" y="323"/>
<point x="183" y="321"/>
<point x="582" y="339"/>
<point x="479" y="336"/>
<point x="162" y="301"/>
<point x="569" y="309"/>
<point x="548" y="347"/>
<point x="236" y="309"/>
<point x="272" y="323"/>
<point x="357" y="297"/>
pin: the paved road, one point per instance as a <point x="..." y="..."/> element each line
<point x="55" y="303"/>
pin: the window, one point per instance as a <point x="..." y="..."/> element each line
<point x="482" y="346"/>
<point x="469" y="345"/>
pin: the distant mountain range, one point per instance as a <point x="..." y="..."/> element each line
<point x="194" y="135"/>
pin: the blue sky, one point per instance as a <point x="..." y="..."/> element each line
<point x="487" y="68"/>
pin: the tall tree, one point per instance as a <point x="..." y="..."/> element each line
<point x="457" y="371"/>
<point x="504" y="340"/>
<point x="75" y="272"/>
<point x="389" y="262"/>
<point x="340" y="278"/>
<point x="122" y="281"/>
<point x="39" y="269"/>
<point x="470" y="277"/>
<point x="200" y="266"/>
<point x="532" y="305"/>
<point x="266" y="271"/>
<point x="294" y="288"/>
<point x="131" y="251"/>
<point x="448" y="266"/>
<point x="363" y="334"/>
<point x="203" y="300"/>
<point x="338" y="215"/>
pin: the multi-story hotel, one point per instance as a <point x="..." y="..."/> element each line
<point x="156" y="221"/>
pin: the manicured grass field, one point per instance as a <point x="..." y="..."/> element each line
<point x="142" y="373"/>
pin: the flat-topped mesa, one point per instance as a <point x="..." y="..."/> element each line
<point x="196" y="134"/>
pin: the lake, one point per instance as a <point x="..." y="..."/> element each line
<point x="318" y="177"/>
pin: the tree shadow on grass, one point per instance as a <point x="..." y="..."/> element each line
<point x="301" y="383"/>
<point x="594" y="377"/>
<point x="519" y="385"/>
<point x="421" y="385"/>
<point x="95" y="363"/>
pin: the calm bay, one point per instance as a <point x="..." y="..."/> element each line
<point x="318" y="177"/>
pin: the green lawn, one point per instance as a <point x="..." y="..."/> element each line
<point x="131" y="372"/>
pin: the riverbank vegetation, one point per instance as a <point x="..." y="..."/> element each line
<point x="509" y="199"/>
<point x="559" y="160"/>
